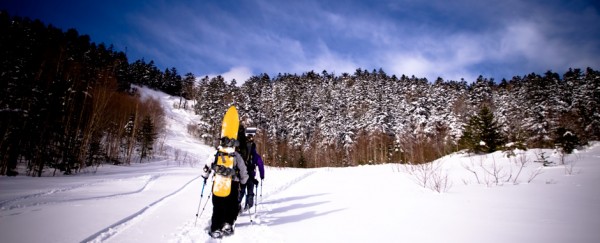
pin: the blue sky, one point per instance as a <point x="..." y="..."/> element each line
<point x="238" y="39"/>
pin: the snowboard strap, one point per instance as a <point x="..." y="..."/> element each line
<point x="220" y="153"/>
<point x="229" y="142"/>
<point x="224" y="171"/>
<point x="221" y="169"/>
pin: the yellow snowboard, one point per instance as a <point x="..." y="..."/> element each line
<point x="224" y="167"/>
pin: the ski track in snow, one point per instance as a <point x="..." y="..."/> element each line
<point x="290" y="183"/>
<point x="6" y="204"/>
<point x="126" y="222"/>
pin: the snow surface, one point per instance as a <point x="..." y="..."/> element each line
<point x="158" y="201"/>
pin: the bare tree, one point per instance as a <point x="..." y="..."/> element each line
<point x="430" y="175"/>
<point x="494" y="171"/>
<point x="471" y="168"/>
<point x="534" y="174"/>
<point x="521" y="161"/>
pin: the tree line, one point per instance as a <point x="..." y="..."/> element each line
<point x="322" y="119"/>
<point x="67" y="103"/>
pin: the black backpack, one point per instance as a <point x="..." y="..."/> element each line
<point x="243" y="143"/>
<point x="249" y="158"/>
<point x="245" y="149"/>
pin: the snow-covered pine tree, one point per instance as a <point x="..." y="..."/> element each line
<point x="146" y="137"/>
<point x="214" y="96"/>
<point x="482" y="133"/>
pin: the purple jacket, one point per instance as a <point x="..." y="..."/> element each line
<point x="258" y="162"/>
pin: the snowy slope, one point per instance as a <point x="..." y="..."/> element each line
<point x="158" y="201"/>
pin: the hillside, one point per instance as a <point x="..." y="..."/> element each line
<point x="158" y="201"/>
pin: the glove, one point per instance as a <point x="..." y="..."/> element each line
<point x="255" y="181"/>
<point x="205" y="172"/>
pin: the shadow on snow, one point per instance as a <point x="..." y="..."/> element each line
<point x="271" y="217"/>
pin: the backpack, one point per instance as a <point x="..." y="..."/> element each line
<point x="246" y="149"/>
<point x="242" y="142"/>
<point x="250" y="162"/>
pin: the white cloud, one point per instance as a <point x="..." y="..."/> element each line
<point x="430" y="57"/>
<point x="324" y="59"/>
<point x="240" y="74"/>
<point x="422" y="67"/>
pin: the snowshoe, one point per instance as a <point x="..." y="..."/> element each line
<point x="217" y="234"/>
<point x="227" y="229"/>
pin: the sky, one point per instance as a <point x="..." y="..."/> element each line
<point x="430" y="39"/>
<point x="158" y="200"/>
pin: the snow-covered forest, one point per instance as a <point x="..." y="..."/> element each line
<point x="372" y="117"/>
<point x="68" y="103"/>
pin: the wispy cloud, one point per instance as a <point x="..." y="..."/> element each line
<point x="448" y="39"/>
<point x="434" y="39"/>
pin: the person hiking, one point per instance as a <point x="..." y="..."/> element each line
<point x="253" y="160"/>
<point x="226" y="209"/>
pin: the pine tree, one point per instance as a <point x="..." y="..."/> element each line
<point x="482" y="134"/>
<point x="212" y="100"/>
<point x="566" y="140"/>
<point x="127" y="142"/>
<point x="146" y="137"/>
<point x="489" y="130"/>
<point x="470" y="138"/>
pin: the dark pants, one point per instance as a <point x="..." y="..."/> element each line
<point x="225" y="209"/>
<point x="249" y="186"/>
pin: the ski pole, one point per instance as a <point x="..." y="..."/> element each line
<point x="207" y="199"/>
<point x="256" y="198"/>
<point x="200" y="202"/>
